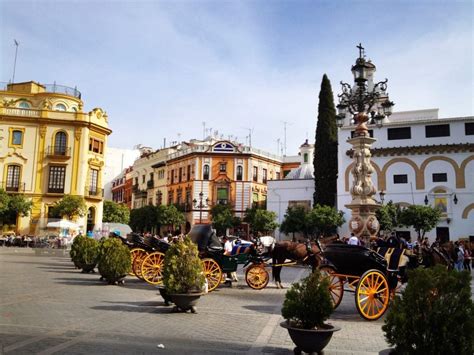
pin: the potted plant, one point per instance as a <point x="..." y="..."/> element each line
<point x="114" y="261"/>
<point x="434" y="315"/>
<point x="306" y="307"/>
<point x="183" y="276"/>
<point x="84" y="253"/>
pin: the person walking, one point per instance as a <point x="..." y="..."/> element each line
<point x="353" y="240"/>
<point x="459" y="253"/>
<point x="467" y="258"/>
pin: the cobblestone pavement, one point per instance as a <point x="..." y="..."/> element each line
<point x="48" y="307"/>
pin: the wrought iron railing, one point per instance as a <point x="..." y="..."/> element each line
<point x="93" y="191"/>
<point x="58" y="151"/>
<point x="54" y="88"/>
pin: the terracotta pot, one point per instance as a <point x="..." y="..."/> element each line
<point x="310" y="340"/>
<point x="186" y="301"/>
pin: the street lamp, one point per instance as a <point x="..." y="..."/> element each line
<point x="363" y="101"/>
<point x="201" y="205"/>
<point x="382" y="196"/>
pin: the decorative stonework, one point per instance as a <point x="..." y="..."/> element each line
<point x="78" y="133"/>
<point x="95" y="162"/>
<point x="419" y="149"/>
<point x="42" y="130"/>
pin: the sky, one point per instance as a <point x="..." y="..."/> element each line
<point x="162" y="68"/>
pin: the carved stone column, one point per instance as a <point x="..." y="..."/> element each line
<point x="363" y="223"/>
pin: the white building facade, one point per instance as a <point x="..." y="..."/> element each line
<point x="420" y="159"/>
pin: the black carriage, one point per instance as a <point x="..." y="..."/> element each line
<point x="216" y="263"/>
<point x="364" y="272"/>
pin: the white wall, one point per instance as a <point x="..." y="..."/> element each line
<point x="116" y="160"/>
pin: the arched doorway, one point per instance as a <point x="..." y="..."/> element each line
<point x="90" y="219"/>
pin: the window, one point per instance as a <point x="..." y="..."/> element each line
<point x="398" y="133"/>
<point x="400" y="179"/>
<point x="240" y="173"/>
<point x="57" y="176"/>
<point x="16" y="137"/>
<point x="205" y="174"/>
<point x="151" y="176"/>
<point x="179" y="196"/>
<point x="440" y="177"/>
<point x="222" y="167"/>
<point x="94" y="179"/>
<point x="60" y="143"/>
<point x="305" y="157"/>
<point x="278" y="175"/>
<point x="469" y="128"/>
<point x="60" y="107"/>
<point x="264" y="176"/>
<point x="143" y="178"/>
<point x="13" y="178"/>
<point x="440" y="130"/>
<point x="188" y="197"/>
<point x="24" y="104"/>
<point x="222" y="195"/>
<point x="159" y="198"/>
<point x="96" y="146"/>
<point x="188" y="173"/>
<point x="136" y="181"/>
<point x="255" y="173"/>
<point x="180" y="176"/>
<point x="286" y="172"/>
<point x="170" y="197"/>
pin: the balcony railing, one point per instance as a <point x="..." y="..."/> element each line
<point x="58" y="152"/>
<point x="13" y="187"/>
<point x="150" y="184"/>
<point x="93" y="191"/>
<point x="54" y="88"/>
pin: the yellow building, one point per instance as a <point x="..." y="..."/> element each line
<point x="49" y="147"/>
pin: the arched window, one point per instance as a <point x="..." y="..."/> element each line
<point x="305" y="156"/>
<point x="205" y="174"/>
<point x="60" y="143"/>
<point x="24" y="104"/>
<point x="60" y="107"/>
<point x="240" y="173"/>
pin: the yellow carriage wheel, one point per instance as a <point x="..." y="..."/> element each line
<point x="152" y="268"/>
<point x="133" y="253"/>
<point x="336" y="285"/>
<point x="212" y="272"/>
<point x="257" y="277"/>
<point x="137" y="263"/>
<point x="372" y="295"/>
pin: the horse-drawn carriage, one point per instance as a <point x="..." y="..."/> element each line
<point x="216" y="263"/>
<point x="371" y="276"/>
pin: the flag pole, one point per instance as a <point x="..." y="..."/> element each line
<point x="14" y="63"/>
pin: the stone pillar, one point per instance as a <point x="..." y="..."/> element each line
<point x="363" y="223"/>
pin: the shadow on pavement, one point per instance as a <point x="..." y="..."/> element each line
<point x="137" y="307"/>
<point x="263" y="309"/>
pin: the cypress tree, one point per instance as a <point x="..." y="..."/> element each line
<point x="325" y="148"/>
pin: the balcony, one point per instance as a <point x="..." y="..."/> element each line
<point x="150" y="184"/>
<point x="93" y="192"/>
<point x="58" y="152"/>
<point x="10" y="187"/>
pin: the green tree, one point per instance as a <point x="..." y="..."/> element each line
<point x="324" y="220"/>
<point x="4" y="201"/>
<point x="325" y="148"/>
<point x="295" y="221"/>
<point x="261" y="221"/>
<point x="388" y="216"/>
<point x="144" y="219"/>
<point x="115" y="213"/>
<point x="70" y="206"/>
<point x="421" y="218"/>
<point x="170" y="216"/>
<point x="12" y="206"/>
<point x="222" y="218"/>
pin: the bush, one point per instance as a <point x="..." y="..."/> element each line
<point x="114" y="260"/>
<point x="308" y="304"/>
<point x="84" y="253"/>
<point x="182" y="270"/>
<point x="435" y="314"/>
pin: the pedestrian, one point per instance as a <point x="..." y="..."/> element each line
<point x="353" y="240"/>
<point x="467" y="258"/>
<point x="459" y="254"/>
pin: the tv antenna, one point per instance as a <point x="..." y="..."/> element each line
<point x="285" y="123"/>
<point x="250" y="135"/>
<point x="14" y="62"/>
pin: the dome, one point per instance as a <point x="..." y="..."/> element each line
<point x="304" y="171"/>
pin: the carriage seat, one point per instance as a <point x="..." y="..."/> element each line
<point x="395" y="257"/>
<point x="240" y="248"/>
<point x="215" y="248"/>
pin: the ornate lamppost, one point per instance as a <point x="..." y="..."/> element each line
<point x="364" y="102"/>
<point x="199" y="204"/>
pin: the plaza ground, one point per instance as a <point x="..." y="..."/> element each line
<point x="48" y="307"/>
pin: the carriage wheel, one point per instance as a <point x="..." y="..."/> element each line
<point x="336" y="285"/>
<point x="212" y="272"/>
<point x="137" y="263"/>
<point x="133" y="253"/>
<point x="372" y="295"/>
<point x="152" y="268"/>
<point x="257" y="276"/>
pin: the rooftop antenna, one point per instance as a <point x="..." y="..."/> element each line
<point x="278" y="145"/>
<point x="249" y="136"/>
<point x="14" y="63"/>
<point x="179" y="137"/>
<point x="285" y="123"/>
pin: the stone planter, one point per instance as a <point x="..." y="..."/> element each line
<point x="186" y="301"/>
<point x="310" y="340"/>
<point x="88" y="268"/>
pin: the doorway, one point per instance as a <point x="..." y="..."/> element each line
<point x="442" y="234"/>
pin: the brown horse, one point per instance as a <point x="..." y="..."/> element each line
<point x="304" y="253"/>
